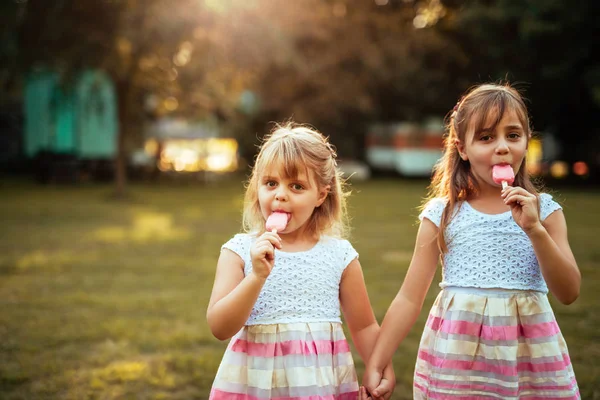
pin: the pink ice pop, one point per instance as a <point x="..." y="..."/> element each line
<point x="503" y="174"/>
<point x="277" y="221"/>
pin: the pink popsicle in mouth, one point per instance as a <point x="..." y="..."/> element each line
<point x="277" y="221"/>
<point x="503" y="174"/>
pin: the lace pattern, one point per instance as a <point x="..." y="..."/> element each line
<point x="488" y="250"/>
<point x="303" y="286"/>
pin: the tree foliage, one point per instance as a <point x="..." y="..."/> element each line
<point x="547" y="47"/>
<point x="337" y="64"/>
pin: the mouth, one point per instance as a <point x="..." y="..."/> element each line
<point x="288" y="214"/>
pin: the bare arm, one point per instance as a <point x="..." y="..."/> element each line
<point x="550" y="243"/>
<point x="556" y="259"/>
<point x="407" y="305"/>
<point x="361" y="321"/>
<point x="357" y="310"/>
<point x="233" y="296"/>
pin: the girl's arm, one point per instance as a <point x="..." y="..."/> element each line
<point x="558" y="265"/>
<point x="550" y="243"/>
<point x="357" y="310"/>
<point x="405" y="308"/>
<point x="233" y="296"/>
<point x="360" y="319"/>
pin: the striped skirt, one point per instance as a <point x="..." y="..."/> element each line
<point x="300" y="361"/>
<point x="493" y="344"/>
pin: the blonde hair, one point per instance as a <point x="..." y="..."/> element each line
<point x="453" y="180"/>
<point x="295" y="148"/>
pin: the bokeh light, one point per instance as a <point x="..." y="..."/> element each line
<point x="559" y="169"/>
<point x="534" y="157"/>
<point x="580" y="168"/>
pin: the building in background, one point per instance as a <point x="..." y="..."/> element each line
<point x="408" y="149"/>
<point x="177" y="146"/>
<point x="70" y="129"/>
<point x="11" y="137"/>
<point x="412" y="150"/>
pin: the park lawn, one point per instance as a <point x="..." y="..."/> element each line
<point x="105" y="299"/>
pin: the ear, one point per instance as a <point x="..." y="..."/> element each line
<point x="323" y="195"/>
<point x="461" y="149"/>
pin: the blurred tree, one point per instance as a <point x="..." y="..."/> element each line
<point x="551" y="46"/>
<point x="189" y="58"/>
<point x="10" y="16"/>
<point x="337" y="64"/>
<point x="113" y="35"/>
<point x="353" y="63"/>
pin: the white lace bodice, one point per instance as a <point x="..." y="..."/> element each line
<point x="488" y="250"/>
<point x="303" y="286"/>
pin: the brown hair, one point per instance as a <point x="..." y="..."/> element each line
<point x="453" y="180"/>
<point x="293" y="149"/>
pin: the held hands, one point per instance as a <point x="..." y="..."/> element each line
<point x="524" y="207"/>
<point x="377" y="385"/>
<point x="263" y="254"/>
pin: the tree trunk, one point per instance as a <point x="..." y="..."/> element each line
<point x="123" y="98"/>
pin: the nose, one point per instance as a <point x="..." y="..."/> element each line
<point x="501" y="146"/>
<point x="281" y="194"/>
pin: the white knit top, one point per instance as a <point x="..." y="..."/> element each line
<point x="303" y="286"/>
<point x="488" y="250"/>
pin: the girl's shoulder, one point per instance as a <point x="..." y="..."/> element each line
<point x="433" y="209"/>
<point x="240" y="244"/>
<point x="334" y="241"/>
<point x="547" y="205"/>
<point x="340" y="248"/>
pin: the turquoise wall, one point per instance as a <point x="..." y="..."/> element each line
<point x="78" y="119"/>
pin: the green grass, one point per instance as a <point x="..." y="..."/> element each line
<point x="103" y="299"/>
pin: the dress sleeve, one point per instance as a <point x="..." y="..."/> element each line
<point x="347" y="253"/>
<point x="433" y="211"/>
<point x="240" y="245"/>
<point x="547" y="205"/>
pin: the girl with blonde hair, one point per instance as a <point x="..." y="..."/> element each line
<point x="277" y="294"/>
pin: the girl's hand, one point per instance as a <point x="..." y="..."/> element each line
<point x="524" y="207"/>
<point x="363" y="395"/>
<point x="262" y="253"/>
<point x="384" y="389"/>
<point x="371" y="380"/>
<point x="386" y="386"/>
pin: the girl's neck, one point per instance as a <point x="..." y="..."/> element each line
<point x="486" y="191"/>
<point x="488" y="200"/>
<point x="299" y="240"/>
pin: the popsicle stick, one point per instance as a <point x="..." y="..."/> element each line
<point x="504" y="184"/>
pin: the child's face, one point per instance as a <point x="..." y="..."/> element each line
<point x="506" y="144"/>
<point x="296" y="197"/>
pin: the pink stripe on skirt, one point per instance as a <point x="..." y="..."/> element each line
<point x="452" y="396"/>
<point x="492" y="365"/>
<point x="493" y="332"/>
<point x="291" y="347"/>
<point x="218" y="395"/>
<point x="502" y="391"/>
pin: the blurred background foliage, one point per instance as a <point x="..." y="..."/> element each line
<point x="337" y="64"/>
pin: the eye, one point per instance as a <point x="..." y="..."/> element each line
<point x="271" y="183"/>
<point x="485" y="138"/>
<point x="514" y="135"/>
<point x="297" y="186"/>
